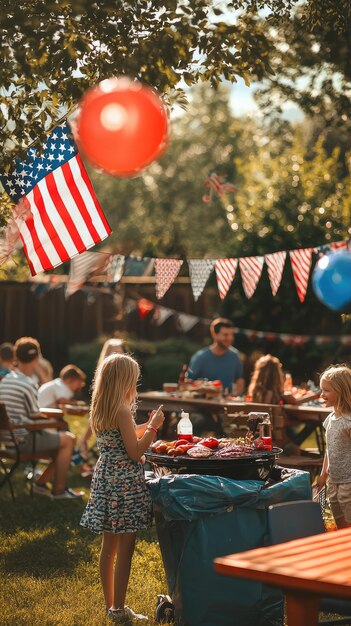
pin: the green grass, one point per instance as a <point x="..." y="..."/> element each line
<point x="49" y="564"/>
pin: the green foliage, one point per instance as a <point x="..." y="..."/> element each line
<point x="291" y="193"/>
<point x="311" y="63"/>
<point x="160" y="361"/>
<point x="53" y="51"/>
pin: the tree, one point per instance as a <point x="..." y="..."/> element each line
<point x="53" y="50"/>
<point x="311" y="63"/>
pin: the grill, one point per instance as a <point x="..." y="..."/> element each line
<point x="254" y="466"/>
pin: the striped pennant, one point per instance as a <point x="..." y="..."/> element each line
<point x="225" y="273"/>
<point x="251" y="270"/>
<point x="166" y="271"/>
<point x="200" y="270"/>
<point x="82" y="267"/>
<point x="275" y="265"/>
<point x="339" y="245"/>
<point x="301" y="264"/>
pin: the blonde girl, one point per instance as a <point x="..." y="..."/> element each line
<point x="335" y="384"/>
<point x="120" y="502"/>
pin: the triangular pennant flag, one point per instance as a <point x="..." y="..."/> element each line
<point x="301" y="264"/>
<point x="114" y="269"/>
<point x="251" y="270"/>
<point x="166" y="271"/>
<point x="339" y="245"/>
<point x="82" y="267"/>
<point x="187" y="322"/>
<point x="145" y="307"/>
<point x="161" y="314"/>
<point x="225" y="272"/>
<point x="275" y="265"/>
<point x="200" y="270"/>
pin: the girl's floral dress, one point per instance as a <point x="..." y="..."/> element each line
<point x="120" y="501"/>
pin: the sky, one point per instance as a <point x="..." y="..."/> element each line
<point x="242" y="102"/>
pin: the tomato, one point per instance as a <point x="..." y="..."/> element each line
<point x="210" y="442"/>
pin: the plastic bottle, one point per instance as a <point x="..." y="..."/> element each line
<point x="185" y="427"/>
<point x="288" y="383"/>
<point x="265" y="430"/>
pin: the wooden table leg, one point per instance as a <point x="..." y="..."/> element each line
<point x="302" y="609"/>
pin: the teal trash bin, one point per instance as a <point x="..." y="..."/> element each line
<point x="199" y="518"/>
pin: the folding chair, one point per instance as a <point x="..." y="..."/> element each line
<point x="293" y="520"/>
<point x="10" y="453"/>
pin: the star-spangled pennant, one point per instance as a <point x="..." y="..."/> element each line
<point x="251" y="270"/>
<point x="65" y="216"/>
<point x="166" y="271"/>
<point x="199" y="270"/>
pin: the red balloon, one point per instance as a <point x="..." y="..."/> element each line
<point x="122" y="126"/>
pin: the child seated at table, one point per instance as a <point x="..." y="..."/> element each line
<point x="60" y="391"/>
<point x="267" y="381"/>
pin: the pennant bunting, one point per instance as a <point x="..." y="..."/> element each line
<point x="138" y="266"/>
<point x="275" y="265"/>
<point x="114" y="269"/>
<point x="225" y="273"/>
<point x="145" y="307"/>
<point x="186" y="322"/>
<point x="10" y="238"/>
<point x="301" y="264"/>
<point x="339" y="245"/>
<point x="251" y="270"/>
<point x="82" y="267"/>
<point x="161" y="314"/>
<point x="166" y="271"/>
<point x="200" y="270"/>
<point x="65" y="216"/>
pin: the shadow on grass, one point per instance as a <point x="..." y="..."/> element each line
<point x="46" y="555"/>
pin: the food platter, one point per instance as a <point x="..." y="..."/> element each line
<point x="255" y="465"/>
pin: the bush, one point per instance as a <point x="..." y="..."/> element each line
<point x="160" y="361"/>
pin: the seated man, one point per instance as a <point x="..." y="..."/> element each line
<point x="20" y="397"/>
<point x="6" y="359"/>
<point x="61" y="390"/>
<point x="220" y="360"/>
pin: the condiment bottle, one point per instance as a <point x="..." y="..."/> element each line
<point x="185" y="427"/>
<point x="265" y="432"/>
<point x="288" y="383"/>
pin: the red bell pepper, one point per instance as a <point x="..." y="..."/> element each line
<point x="210" y="442"/>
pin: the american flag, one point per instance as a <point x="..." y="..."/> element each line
<point x="65" y="217"/>
<point x="217" y="184"/>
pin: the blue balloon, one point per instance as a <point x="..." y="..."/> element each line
<point x="331" y="280"/>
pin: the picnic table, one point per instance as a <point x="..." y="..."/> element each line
<point x="305" y="569"/>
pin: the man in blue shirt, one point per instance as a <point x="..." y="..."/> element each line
<point x="220" y="361"/>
